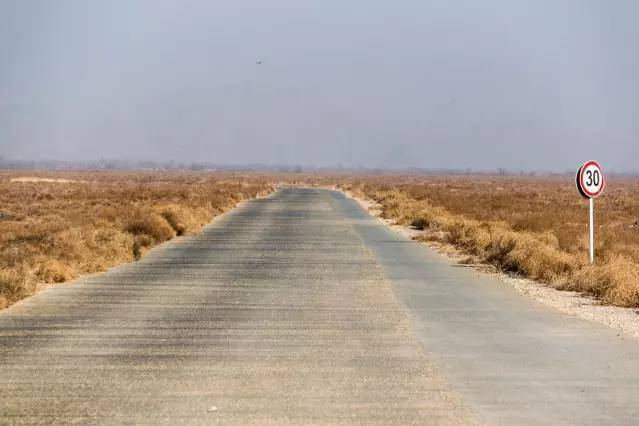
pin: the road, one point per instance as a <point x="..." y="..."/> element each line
<point x="302" y="309"/>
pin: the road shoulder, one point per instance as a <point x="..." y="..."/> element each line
<point x="624" y="321"/>
<point x="513" y="359"/>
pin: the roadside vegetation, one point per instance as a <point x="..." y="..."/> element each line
<point x="55" y="226"/>
<point x="533" y="227"/>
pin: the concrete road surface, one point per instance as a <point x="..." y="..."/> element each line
<point x="302" y="309"/>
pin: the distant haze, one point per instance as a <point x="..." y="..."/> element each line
<point x="526" y="85"/>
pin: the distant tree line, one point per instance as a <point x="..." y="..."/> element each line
<point x="114" y="164"/>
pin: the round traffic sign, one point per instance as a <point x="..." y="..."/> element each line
<point x="590" y="180"/>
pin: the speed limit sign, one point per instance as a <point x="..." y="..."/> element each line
<point x="590" y="184"/>
<point x="590" y="180"/>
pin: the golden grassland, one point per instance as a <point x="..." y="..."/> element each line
<point x="55" y="226"/>
<point x="531" y="226"/>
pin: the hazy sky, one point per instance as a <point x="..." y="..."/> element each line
<point x="540" y="84"/>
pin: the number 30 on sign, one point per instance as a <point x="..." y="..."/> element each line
<point x="590" y="180"/>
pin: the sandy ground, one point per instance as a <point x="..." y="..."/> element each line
<point x="624" y="320"/>
<point x="44" y="180"/>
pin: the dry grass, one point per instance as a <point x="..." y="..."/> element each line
<point x="535" y="227"/>
<point x="56" y="226"/>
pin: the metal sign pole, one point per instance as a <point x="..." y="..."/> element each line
<point x="592" y="230"/>
<point x="590" y="184"/>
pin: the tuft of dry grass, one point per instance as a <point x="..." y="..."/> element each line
<point x="13" y="285"/>
<point x="150" y="224"/>
<point x="55" y="226"/>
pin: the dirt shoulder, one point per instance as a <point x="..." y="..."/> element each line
<point x="624" y="320"/>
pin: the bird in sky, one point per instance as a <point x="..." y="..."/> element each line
<point x="259" y="62"/>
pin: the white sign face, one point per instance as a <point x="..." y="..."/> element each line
<point x="590" y="180"/>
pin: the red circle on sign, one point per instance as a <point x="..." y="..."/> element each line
<point x="583" y="187"/>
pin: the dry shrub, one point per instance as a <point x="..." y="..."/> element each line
<point x="12" y="284"/>
<point x="186" y="221"/>
<point x="54" y="271"/>
<point x="420" y="223"/>
<point x="173" y="218"/>
<point x="103" y="247"/>
<point x="498" y="251"/>
<point x="424" y="218"/>
<point x="615" y="282"/>
<point x="150" y="224"/>
<point x="532" y="256"/>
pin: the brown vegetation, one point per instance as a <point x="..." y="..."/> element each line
<point x="55" y="226"/>
<point x="535" y="227"/>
